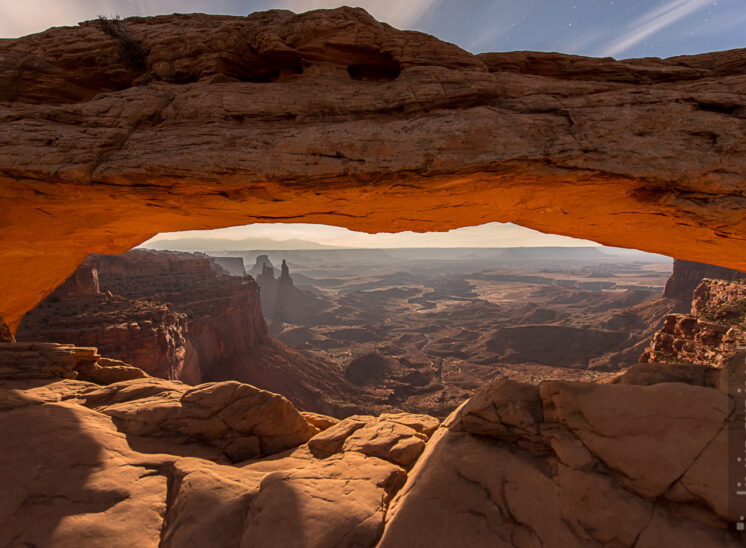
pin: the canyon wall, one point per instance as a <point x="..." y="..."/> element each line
<point x="179" y="316"/>
<point x="711" y="334"/>
<point x="223" y="312"/>
<point x="150" y="335"/>
<point x="687" y="275"/>
<point x="333" y="117"/>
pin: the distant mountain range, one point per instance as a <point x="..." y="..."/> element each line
<point x="226" y="244"/>
<point x="219" y="246"/>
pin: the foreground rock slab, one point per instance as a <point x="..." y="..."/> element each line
<point x="148" y="462"/>
<point x="572" y="464"/>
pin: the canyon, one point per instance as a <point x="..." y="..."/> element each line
<point x="181" y="316"/>
<point x="331" y="116"/>
<point x="376" y="332"/>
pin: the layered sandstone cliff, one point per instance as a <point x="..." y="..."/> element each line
<point x="179" y="316"/>
<point x="687" y="275"/>
<point x="711" y="334"/>
<point x="195" y="121"/>
<point x="223" y="312"/>
<point x="150" y="335"/>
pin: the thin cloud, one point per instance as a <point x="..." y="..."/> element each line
<point x="402" y="14"/>
<point x="486" y="235"/>
<point x="652" y="22"/>
<point x="579" y="44"/>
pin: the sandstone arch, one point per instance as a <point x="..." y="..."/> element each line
<point x="195" y="121"/>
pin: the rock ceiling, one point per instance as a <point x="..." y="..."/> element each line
<point x="115" y="131"/>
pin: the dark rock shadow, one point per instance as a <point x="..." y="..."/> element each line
<point x="45" y="466"/>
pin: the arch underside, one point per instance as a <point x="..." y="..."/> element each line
<point x="358" y="125"/>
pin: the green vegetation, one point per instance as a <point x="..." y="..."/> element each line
<point x="732" y="312"/>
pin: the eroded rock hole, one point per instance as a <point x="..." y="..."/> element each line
<point x="375" y="72"/>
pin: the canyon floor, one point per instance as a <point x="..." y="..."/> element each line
<point x="420" y="330"/>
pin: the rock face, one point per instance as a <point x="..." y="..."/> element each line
<point x="333" y="117"/>
<point x="224" y="313"/>
<point x="282" y="302"/>
<point x="150" y="335"/>
<point x="572" y="464"/>
<point x="687" y="275"/>
<point x="179" y="316"/>
<point x="19" y="361"/>
<point x="150" y="462"/>
<point x="232" y="265"/>
<point x="261" y="266"/>
<point x="83" y="283"/>
<point x="711" y="334"/>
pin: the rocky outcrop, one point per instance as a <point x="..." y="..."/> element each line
<point x="711" y="334"/>
<point x="19" y="361"/>
<point x="151" y="462"/>
<point x="282" y="302"/>
<point x="223" y="312"/>
<point x="239" y="420"/>
<point x="141" y="328"/>
<point x="354" y="123"/>
<point x="180" y="316"/>
<point x="156" y="462"/>
<point x="232" y="265"/>
<point x="150" y="335"/>
<point x="398" y="438"/>
<point x="573" y="464"/>
<point x="83" y="283"/>
<point x="261" y="265"/>
<point x="687" y="275"/>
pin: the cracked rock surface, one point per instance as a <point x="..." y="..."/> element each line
<point x="574" y="464"/>
<point x="150" y="462"/>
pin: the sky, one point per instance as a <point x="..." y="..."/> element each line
<point x="615" y="28"/>
<point x="487" y="235"/>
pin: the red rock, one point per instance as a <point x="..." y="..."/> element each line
<point x="687" y="275"/>
<point x="333" y="117"/>
<point x="593" y="454"/>
<point x="180" y="316"/>
<point x="711" y="334"/>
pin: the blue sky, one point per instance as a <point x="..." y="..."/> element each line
<point x="617" y="28"/>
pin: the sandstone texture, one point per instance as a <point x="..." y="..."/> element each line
<point x="711" y="334"/>
<point x="151" y="462"/>
<point x="134" y="460"/>
<point x="573" y="464"/>
<point x="398" y="438"/>
<point x="687" y="275"/>
<point x="115" y="131"/>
